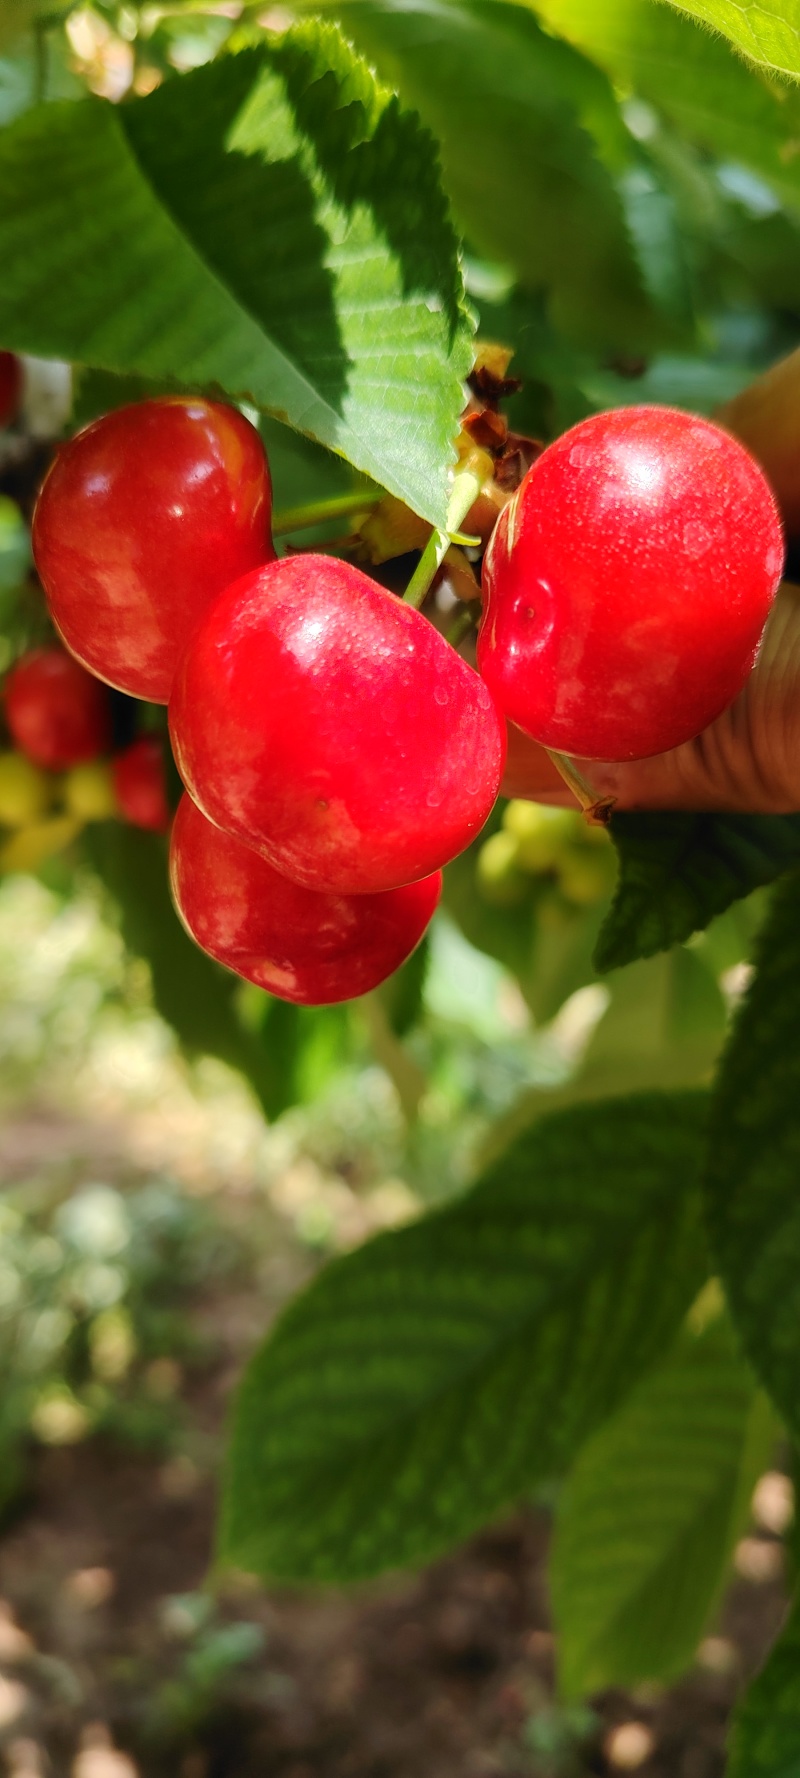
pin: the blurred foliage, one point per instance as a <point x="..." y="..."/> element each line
<point x="628" y="196"/>
<point x="94" y="1288"/>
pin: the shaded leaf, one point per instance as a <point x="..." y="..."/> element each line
<point x="193" y="994"/>
<point x="754" y="1159"/>
<point x="651" y="1512"/>
<point x="692" y="79"/>
<point x="678" y="870"/>
<point x="424" y="1382"/>
<point x="765" y="1738"/>
<point x="237" y="228"/>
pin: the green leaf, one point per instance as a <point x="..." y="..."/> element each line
<point x="678" y="870"/>
<point x="521" y="119"/>
<point x="765" y="1739"/>
<point x="663" y="1027"/>
<point x="650" y="1514"/>
<point x="767" y="34"/>
<point x="193" y="994"/>
<point x="426" y="1381"/>
<point x="754" y="1159"/>
<point x="692" y="79"/>
<point x="238" y="228"/>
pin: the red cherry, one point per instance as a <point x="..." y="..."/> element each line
<point x="140" y="785"/>
<point x="10" y="387"/>
<point x="57" y="714"/>
<point x="628" y="583"/>
<point x="312" y="949"/>
<point x="332" y="728"/>
<point x="144" y="518"/>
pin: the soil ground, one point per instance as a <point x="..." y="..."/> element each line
<point x="448" y="1674"/>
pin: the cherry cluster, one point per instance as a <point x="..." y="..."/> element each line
<point x="336" y="750"/>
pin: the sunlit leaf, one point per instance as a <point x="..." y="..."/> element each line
<point x="273" y="224"/>
<point x="770" y="34"/>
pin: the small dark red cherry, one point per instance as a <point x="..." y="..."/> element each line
<point x="628" y="583"/>
<point x="312" y="949"/>
<point x="331" y="727"/>
<point x="10" y="387"/>
<point x="143" y="519"/>
<point x="56" y="713"/>
<point x="140" y="785"/>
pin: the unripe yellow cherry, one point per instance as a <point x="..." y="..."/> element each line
<point x="500" y="879"/>
<point x="585" y="875"/>
<point x="88" y="792"/>
<point x="31" y="847"/>
<point x="540" y="832"/>
<point x="24" y="791"/>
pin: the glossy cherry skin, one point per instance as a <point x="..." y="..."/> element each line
<point x="140" y="785"/>
<point x="56" y="713"/>
<point x="10" y="387"/>
<point x="627" y="584"/>
<point x="332" y="728"/>
<point x="312" y="949"/>
<point x="143" y="519"/>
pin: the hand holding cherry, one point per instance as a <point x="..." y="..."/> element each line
<point x="747" y="762"/>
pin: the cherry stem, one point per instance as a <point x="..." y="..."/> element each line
<point x="596" y="809"/>
<point x="463" y="494"/>
<point x="408" y="1079"/>
<point x="318" y="512"/>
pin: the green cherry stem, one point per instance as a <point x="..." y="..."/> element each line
<point x="596" y="809"/>
<point x="318" y="512"/>
<point x="463" y="494"/>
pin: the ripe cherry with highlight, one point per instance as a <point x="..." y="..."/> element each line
<point x="144" y="518"/>
<point x="628" y="583"/>
<point x="332" y="728"/>
<point x="308" y="948"/>
<point x="140" y="785"/>
<point x="57" y="714"/>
